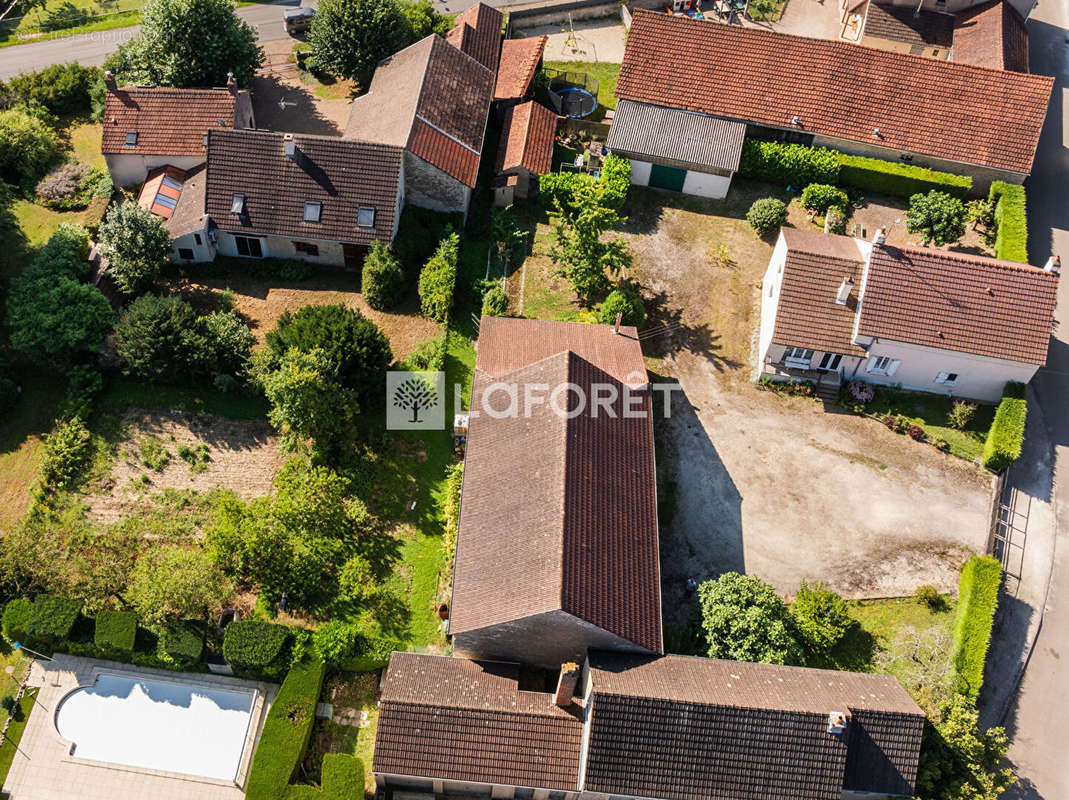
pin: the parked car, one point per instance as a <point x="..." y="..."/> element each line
<point x="298" y="20"/>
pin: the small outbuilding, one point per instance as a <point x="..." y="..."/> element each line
<point x="525" y="150"/>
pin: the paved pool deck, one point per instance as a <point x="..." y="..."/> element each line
<point x="43" y="768"/>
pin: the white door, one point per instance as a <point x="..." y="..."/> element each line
<point x="830" y="362"/>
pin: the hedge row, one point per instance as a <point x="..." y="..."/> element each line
<point x="977" y="600"/>
<point x="115" y="633"/>
<point x="342" y="779"/>
<point x="558" y="188"/>
<point x="286" y="731"/>
<point x="1011" y="220"/>
<point x="898" y="179"/>
<point x="798" y="165"/>
<point x="250" y="646"/>
<point x="1006" y="435"/>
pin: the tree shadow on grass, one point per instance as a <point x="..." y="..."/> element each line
<point x="667" y="333"/>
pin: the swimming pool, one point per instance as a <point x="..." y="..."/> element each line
<point x="159" y="725"/>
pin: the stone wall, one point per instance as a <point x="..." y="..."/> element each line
<point x="427" y="186"/>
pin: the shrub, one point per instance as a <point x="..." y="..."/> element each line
<point x="114" y="633"/>
<point x="383" y="279"/>
<point x="1011" y="221"/>
<point x="136" y="244"/>
<point x="861" y="391"/>
<point x="342" y="779"/>
<point x="835" y="220"/>
<point x="62" y="182"/>
<point x="52" y="619"/>
<point x="429" y="355"/>
<point x="438" y="280"/>
<point x="821" y="616"/>
<point x="176" y="581"/>
<point x="767" y="215"/>
<point x="345" y="646"/>
<point x="27" y="146"/>
<point x="626" y="301"/>
<point x="819" y="197"/>
<point x="788" y="164"/>
<point x="930" y="596"/>
<point x="495" y="302"/>
<point x="61" y="88"/>
<point x="615" y="181"/>
<point x="451" y="508"/>
<point x="66" y="454"/>
<point x="286" y="731"/>
<point x="16" y="619"/>
<point x="961" y="414"/>
<point x="556" y="189"/>
<point x="560" y="188"/>
<point x="161" y="339"/>
<point x="230" y="340"/>
<point x="937" y="217"/>
<point x="745" y="620"/>
<point x="254" y="646"/>
<point x="898" y="179"/>
<point x="977" y="600"/>
<point x="1006" y="435"/>
<point x="182" y="640"/>
<point x="7" y="702"/>
<point x="916" y="432"/>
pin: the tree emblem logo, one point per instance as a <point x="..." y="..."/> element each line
<point x="414" y="400"/>
<point x="415" y="395"/>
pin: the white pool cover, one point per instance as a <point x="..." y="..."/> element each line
<point x="158" y="725"/>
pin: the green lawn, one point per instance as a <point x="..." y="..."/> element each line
<point x="14" y="734"/>
<point x="767" y="10"/>
<point x="69" y="16"/>
<point x="604" y="72"/>
<point x="85" y="143"/>
<point x="932" y="412"/>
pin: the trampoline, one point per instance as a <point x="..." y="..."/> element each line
<point x="572" y="94"/>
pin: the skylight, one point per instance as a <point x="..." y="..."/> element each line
<point x="365" y="218"/>
<point x="131" y="137"/>
<point x="312" y="211"/>
<point x="238" y="206"/>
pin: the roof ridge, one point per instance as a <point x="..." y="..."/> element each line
<point x="969" y="258"/>
<point x="343" y="140"/>
<point x="844" y="46"/>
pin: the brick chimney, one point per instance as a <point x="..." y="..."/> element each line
<point x="231" y="83"/>
<point x="566" y="683"/>
<point x="619" y="319"/>
<point x="109" y="80"/>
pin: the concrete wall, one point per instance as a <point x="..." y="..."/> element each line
<point x="330" y="253"/>
<point x="440" y="787"/>
<point x="204" y="251"/>
<point x="982" y="176"/>
<point x="427" y="186"/>
<point x="130" y="169"/>
<point x="701" y="184"/>
<point x="770" y="289"/>
<point x="560" y="636"/>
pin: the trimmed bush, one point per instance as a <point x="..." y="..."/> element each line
<point x="819" y="197"/>
<point x="788" y="164"/>
<point x="1006" y="435"/>
<point x="182" y="641"/>
<point x="495" y="302"/>
<point x="766" y="215"/>
<point x="1011" y="220"/>
<point x="613" y="183"/>
<point x="115" y="633"/>
<point x="343" y="779"/>
<point x="344" y="645"/>
<point x="615" y="180"/>
<point x="286" y="731"/>
<point x="977" y="600"/>
<point x="383" y="279"/>
<point x="898" y="179"/>
<point x="254" y="646"/>
<point x="52" y="619"/>
<point x="16" y="619"/>
<point x="626" y="301"/>
<point x="438" y="280"/>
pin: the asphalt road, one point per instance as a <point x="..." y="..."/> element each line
<point x="90" y="49"/>
<point x="1038" y="721"/>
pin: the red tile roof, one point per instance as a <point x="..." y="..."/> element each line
<point x="943" y="109"/>
<point x="477" y="32"/>
<point x="519" y="63"/>
<point x="959" y="302"/>
<point x="454" y="719"/>
<point x="169" y="121"/>
<point x="579" y="494"/>
<point x="991" y="35"/>
<point x="340" y="174"/>
<point x="527" y="136"/>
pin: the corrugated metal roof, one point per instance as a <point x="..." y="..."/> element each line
<point x="645" y="130"/>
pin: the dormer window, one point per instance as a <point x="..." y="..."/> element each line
<point x="312" y="212"/>
<point x="365" y="218"/>
<point x="238" y="206"/>
<point x="131" y="138"/>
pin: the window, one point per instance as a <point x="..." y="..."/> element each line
<point x="523" y="793"/>
<point x="131" y="138"/>
<point x="883" y="365"/>
<point x="248" y="246"/>
<point x="312" y="211"/>
<point x="947" y="378"/>
<point x="197" y="239"/>
<point x="185" y="253"/>
<point x="830" y="362"/>
<point x="237" y="206"/>
<point x="797" y="356"/>
<point x="365" y="218"/>
<point x="307" y="248"/>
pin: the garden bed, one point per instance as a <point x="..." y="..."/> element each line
<point x="932" y="413"/>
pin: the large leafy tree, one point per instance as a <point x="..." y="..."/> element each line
<point x="161" y="339"/>
<point x="349" y="37"/>
<point x="821" y="616"/>
<point x="136" y="244"/>
<point x="27" y="146"/>
<point x="745" y="620"/>
<point x="937" y="217"/>
<point x="959" y="761"/>
<point x="580" y="252"/>
<point x="175" y="581"/>
<point x="356" y="354"/>
<point x="188" y="43"/>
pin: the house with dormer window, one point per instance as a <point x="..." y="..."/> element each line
<point x="835" y="308"/>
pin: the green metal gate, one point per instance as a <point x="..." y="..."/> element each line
<point x="671" y="178"/>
